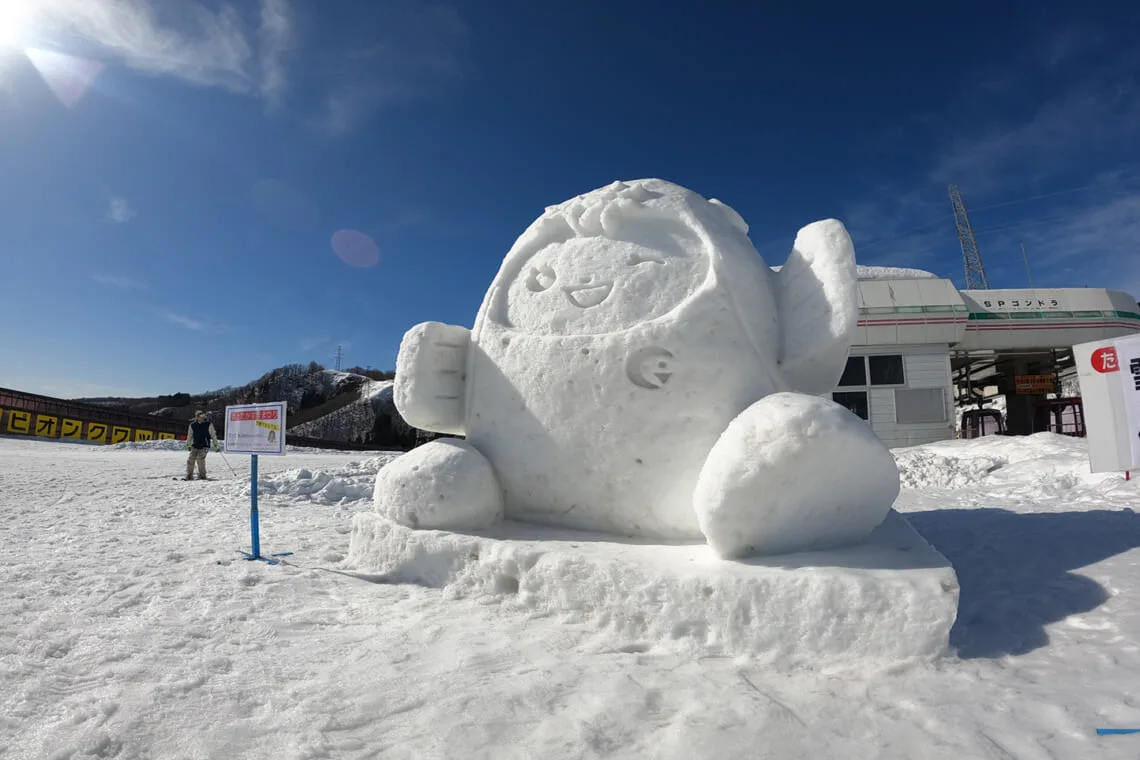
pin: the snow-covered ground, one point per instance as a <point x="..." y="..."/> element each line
<point x="130" y="627"/>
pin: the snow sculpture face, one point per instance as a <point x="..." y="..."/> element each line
<point x="600" y="263"/>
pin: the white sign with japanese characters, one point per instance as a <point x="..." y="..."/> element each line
<point x="256" y="429"/>
<point x="1128" y="352"/>
<point x="1109" y="374"/>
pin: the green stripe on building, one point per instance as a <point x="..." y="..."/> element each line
<point x="984" y="315"/>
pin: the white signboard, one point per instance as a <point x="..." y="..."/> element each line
<point x="1128" y="353"/>
<point x="256" y="429"/>
<point x="1109" y="374"/>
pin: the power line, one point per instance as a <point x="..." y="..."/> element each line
<point x="902" y="235"/>
<point x="1055" y="193"/>
<point x="1025" y="256"/>
<point x="1001" y="204"/>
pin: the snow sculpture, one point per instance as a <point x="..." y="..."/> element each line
<point x="637" y="369"/>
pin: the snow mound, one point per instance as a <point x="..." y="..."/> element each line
<point x="921" y="468"/>
<point x="892" y="598"/>
<point x="864" y="272"/>
<point x="1047" y="461"/>
<point x="180" y="446"/>
<point x="351" y="483"/>
<point x="169" y="444"/>
<point x="893" y="273"/>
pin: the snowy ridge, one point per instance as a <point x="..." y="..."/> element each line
<point x="356" y="420"/>
<point x="295" y="383"/>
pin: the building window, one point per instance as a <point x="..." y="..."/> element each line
<point x="880" y="370"/>
<point x="856" y="401"/>
<point x="855" y="373"/>
<point x="919" y="405"/>
<point x="886" y="370"/>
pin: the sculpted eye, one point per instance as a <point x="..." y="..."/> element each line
<point x="540" y="278"/>
<point x="640" y="258"/>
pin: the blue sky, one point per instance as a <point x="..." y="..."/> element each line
<point x="178" y="177"/>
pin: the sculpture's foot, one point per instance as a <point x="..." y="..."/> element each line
<point x="443" y="485"/>
<point x="794" y="473"/>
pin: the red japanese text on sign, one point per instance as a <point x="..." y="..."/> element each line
<point x="256" y="414"/>
<point x="1105" y="360"/>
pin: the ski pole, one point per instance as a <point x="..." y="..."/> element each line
<point x="227" y="462"/>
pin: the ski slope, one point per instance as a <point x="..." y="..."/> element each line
<point x="130" y="627"/>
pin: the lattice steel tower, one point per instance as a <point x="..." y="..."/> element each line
<point x="975" y="272"/>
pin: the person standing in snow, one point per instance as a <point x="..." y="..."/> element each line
<point x="199" y="437"/>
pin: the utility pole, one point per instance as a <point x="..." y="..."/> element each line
<point x="1026" y="257"/>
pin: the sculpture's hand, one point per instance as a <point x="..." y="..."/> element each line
<point x="431" y="377"/>
<point x="818" y="298"/>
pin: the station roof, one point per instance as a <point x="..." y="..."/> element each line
<point x="924" y="310"/>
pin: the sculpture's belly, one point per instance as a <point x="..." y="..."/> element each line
<point x="610" y="432"/>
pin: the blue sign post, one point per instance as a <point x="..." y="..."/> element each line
<point x="256" y="429"/>
<point x="254" y="542"/>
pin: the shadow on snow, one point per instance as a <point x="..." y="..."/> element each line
<point x="1014" y="570"/>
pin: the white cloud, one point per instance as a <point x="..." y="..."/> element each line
<point x="118" y="281"/>
<point x="187" y="322"/>
<point x="308" y="344"/>
<point x="120" y="211"/>
<point x="389" y="51"/>
<point x="406" y="50"/>
<point x="276" y="40"/>
<point x="1036" y="148"/>
<point x="1027" y="176"/>
<point x="1090" y="242"/>
<point x="348" y="105"/>
<point x="197" y="44"/>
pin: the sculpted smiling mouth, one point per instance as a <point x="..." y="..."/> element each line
<point x="585" y="296"/>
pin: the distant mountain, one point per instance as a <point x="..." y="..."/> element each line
<point x="353" y="406"/>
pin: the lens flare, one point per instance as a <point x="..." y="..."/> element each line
<point x="355" y="248"/>
<point x="68" y="77"/>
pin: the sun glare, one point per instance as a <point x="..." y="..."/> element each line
<point x="15" y="16"/>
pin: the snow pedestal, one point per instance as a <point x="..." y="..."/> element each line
<point x="893" y="597"/>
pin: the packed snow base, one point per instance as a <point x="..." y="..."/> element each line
<point x="890" y="598"/>
<point x="637" y="369"/>
<point x="130" y="627"/>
